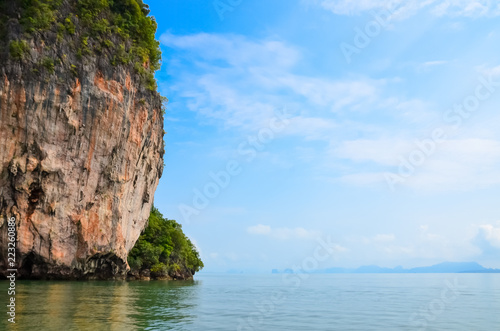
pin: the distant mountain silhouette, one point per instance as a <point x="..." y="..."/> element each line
<point x="445" y="267"/>
<point x="453" y="267"/>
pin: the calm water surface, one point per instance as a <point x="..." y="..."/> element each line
<point x="263" y="302"/>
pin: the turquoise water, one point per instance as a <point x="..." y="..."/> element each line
<point x="263" y="302"/>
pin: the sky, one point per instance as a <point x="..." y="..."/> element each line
<point x="367" y="129"/>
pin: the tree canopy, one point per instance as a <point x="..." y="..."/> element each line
<point x="164" y="249"/>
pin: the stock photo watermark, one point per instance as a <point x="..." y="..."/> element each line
<point x="293" y="281"/>
<point x="455" y="117"/>
<point x="430" y="312"/>
<point x="220" y="180"/>
<point x="223" y="6"/>
<point x="12" y="271"/>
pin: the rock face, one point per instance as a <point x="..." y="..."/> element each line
<point x="80" y="159"/>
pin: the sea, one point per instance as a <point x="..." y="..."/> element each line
<point x="261" y="302"/>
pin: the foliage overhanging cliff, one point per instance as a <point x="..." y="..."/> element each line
<point x="81" y="130"/>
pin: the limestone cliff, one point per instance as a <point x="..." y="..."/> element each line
<point x="81" y="143"/>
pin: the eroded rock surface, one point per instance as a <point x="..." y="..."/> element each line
<point x="80" y="159"/>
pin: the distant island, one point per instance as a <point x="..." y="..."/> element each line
<point x="445" y="267"/>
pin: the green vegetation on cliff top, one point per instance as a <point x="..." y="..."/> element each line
<point x="120" y="30"/>
<point x="164" y="249"/>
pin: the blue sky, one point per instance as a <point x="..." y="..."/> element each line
<point x="370" y="125"/>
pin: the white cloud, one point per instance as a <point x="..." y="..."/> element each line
<point x="433" y="63"/>
<point x="239" y="83"/>
<point x="490" y="234"/>
<point x="468" y="8"/>
<point x="487" y="241"/>
<point x="259" y="229"/>
<point x="171" y="119"/>
<point x="488" y="71"/>
<point x="381" y="151"/>
<point x="405" y="8"/>
<point x="464" y="164"/>
<point x="332" y="94"/>
<point x="283" y="233"/>
<point x="384" y="237"/>
<point x="236" y="50"/>
<point x="311" y="128"/>
<point x="411" y="245"/>
<point x="398" y="8"/>
<point x="428" y="66"/>
<point x="339" y="248"/>
<point x="415" y="111"/>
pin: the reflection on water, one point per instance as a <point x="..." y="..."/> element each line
<point x="221" y="302"/>
<point x="157" y="305"/>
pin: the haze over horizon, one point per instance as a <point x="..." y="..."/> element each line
<point x="369" y="127"/>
